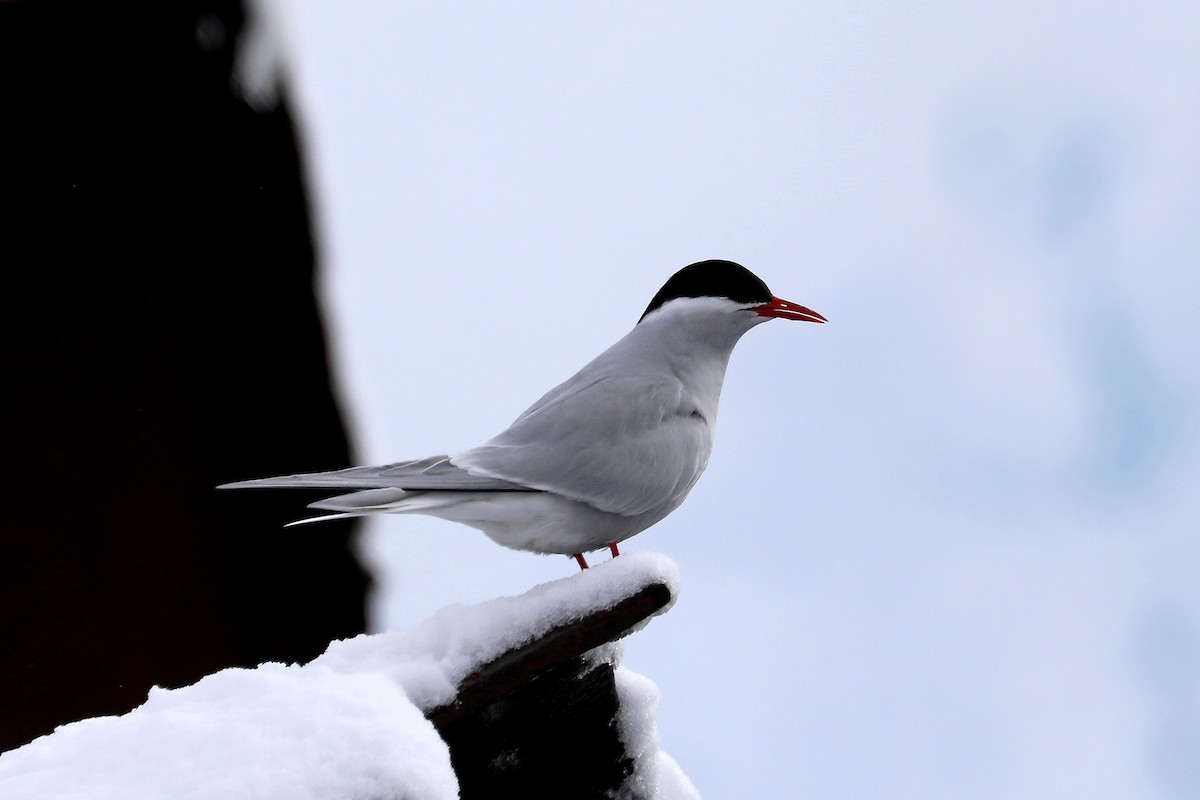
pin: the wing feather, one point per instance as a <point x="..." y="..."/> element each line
<point x="428" y="474"/>
<point x="626" y="444"/>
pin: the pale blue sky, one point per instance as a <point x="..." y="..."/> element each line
<point x="947" y="544"/>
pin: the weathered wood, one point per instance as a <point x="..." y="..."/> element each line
<point x="540" y="720"/>
<point x="522" y="664"/>
<point x="554" y="737"/>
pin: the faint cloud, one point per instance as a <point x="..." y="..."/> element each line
<point x="1076" y="180"/>
<point x="1050" y="186"/>
<point x="1168" y="662"/>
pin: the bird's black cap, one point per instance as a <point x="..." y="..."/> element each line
<point x="715" y="278"/>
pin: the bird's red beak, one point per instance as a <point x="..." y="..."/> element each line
<point x="787" y="310"/>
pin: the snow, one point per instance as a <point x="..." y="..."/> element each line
<point x="655" y="774"/>
<point x="348" y="724"/>
<point x="431" y="658"/>
<point x="261" y="55"/>
<point x="272" y="732"/>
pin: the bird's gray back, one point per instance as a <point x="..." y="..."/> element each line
<point x="623" y="435"/>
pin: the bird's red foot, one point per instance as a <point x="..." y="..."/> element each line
<point x="582" y="561"/>
<point x="613" y="547"/>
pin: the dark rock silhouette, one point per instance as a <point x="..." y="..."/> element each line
<point x="160" y="335"/>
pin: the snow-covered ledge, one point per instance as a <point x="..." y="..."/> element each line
<point x="353" y="722"/>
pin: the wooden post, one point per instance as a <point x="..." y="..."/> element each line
<point x="540" y="720"/>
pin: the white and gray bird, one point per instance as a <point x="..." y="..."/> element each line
<point x="602" y="456"/>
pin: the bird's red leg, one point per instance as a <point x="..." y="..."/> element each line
<point x="613" y="547"/>
<point x="582" y="561"/>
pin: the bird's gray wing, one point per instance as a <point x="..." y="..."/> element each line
<point x="626" y="444"/>
<point x="435" y="473"/>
